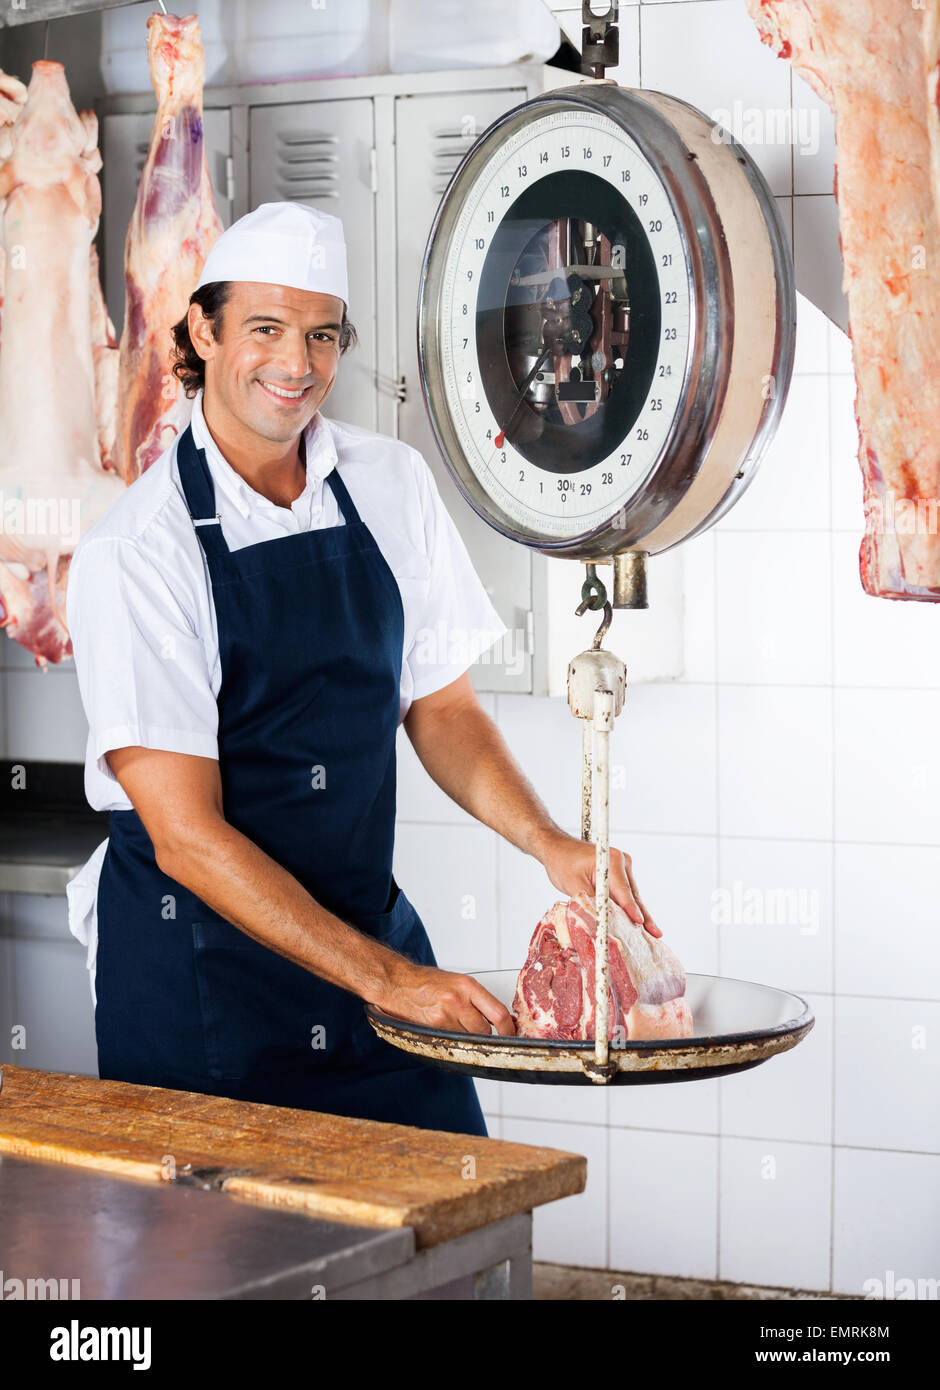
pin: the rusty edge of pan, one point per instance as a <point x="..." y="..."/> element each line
<point x="496" y="1053"/>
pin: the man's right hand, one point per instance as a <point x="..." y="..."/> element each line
<point x="440" y="999"/>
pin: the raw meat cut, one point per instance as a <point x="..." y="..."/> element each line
<point x="12" y="97"/>
<point x="876" y="65"/>
<point x="555" y="996"/>
<point x="52" y="485"/>
<point x="103" y="339"/>
<point x="105" y="355"/>
<point x="174" y="225"/>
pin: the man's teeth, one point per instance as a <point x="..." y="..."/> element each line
<point x="279" y="391"/>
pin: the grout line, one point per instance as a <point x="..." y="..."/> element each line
<point x="701" y="835"/>
<point x="713" y="1134"/>
<point x="778" y="684"/>
<point x="835" y="902"/>
<point x="793" y="192"/>
<point x="718" y="868"/>
<point x="607" y="1193"/>
<point x="639" y="44"/>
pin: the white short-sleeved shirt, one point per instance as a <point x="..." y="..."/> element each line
<point x="142" y="620"/>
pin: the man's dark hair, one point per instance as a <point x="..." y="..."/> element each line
<point x="188" y="366"/>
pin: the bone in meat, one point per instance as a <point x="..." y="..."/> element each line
<point x="173" y="227"/>
<point x="876" y="65"/>
<point x="555" y="994"/>
<point x="52" y="486"/>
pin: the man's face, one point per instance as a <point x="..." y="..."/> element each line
<point x="273" y="338"/>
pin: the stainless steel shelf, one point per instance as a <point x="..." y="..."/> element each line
<point x="40" y="853"/>
<point x="47" y="828"/>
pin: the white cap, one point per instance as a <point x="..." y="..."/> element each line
<point x="282" y="244"/>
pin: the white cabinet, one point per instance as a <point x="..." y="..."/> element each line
<point x="323" y="153"/>
<point x="433" y="131"/>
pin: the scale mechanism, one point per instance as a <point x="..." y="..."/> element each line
<point x="606" y="334"/>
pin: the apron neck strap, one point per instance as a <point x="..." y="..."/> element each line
<point x="345" y="503"/>
<point x="199" y="491"/>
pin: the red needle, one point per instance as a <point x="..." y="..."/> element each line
<point x="499" y="439"/>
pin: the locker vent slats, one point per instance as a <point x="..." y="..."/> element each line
<point x="307" y="165"/>
<point x="448" y="148"/>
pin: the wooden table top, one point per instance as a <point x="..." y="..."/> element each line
<point x="360" y="1171"/>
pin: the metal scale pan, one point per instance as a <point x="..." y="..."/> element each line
<point x="738" y="1025"/>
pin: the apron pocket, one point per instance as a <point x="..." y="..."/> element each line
<point x="264" y="1015"/>
<point x="402" y="930"/>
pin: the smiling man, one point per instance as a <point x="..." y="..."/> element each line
<point x="244" y="623"/>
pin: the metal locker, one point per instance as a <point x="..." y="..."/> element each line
<point x="322" y="153"/>
<point x="432" y="134"/>
<point x="125" y="141"/>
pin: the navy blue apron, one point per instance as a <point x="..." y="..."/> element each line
<point x="310" y="631"/>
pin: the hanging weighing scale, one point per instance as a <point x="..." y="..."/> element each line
<point x="606" y="330"/>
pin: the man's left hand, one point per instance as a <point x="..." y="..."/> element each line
<point x="570" y="864"/>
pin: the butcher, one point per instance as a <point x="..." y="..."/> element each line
<point x="249" y="621"/>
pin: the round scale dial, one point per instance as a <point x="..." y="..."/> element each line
<point x="576" y="319"/>
<point x="566" y="308"/>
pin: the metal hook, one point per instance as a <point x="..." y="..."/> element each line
<point x="594" y="597"/>
<point x="593" y="592"/>
<point x="601" y="632"/>
<point x="162" y="6"/>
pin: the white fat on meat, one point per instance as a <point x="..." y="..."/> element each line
<point x="555" y="994"/>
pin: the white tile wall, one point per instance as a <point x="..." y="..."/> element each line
<point x="686" y="1107"/>
<point x="775" y="1213"/>
<point x="664" y="1202"/>
<point x="876" y="1193"/>
<point x="795" y="754"/>
<point x="775" y="628"/>
<point x="872" y="956"/>
<point x="781" y="931"/>
<point x="662" y="758"/>
<point x="886" y="764"/>
<point x="574" y="1231"/>
<point x="789" y="1097"/>
<point x="709" y="53"/>
<point x="775" y="772"/>
<point x="887" y="1073"/>
<point x="457" y="902"/>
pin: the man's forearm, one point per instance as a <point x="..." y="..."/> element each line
<point x="242" y="883"/>
<point x="469" y="759"/>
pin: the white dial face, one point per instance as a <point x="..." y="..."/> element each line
<point x="565" y="319"/>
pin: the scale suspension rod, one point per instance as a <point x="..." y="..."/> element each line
<point x="603" y="723"/>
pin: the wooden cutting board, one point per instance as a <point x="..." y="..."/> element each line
<point x="360" y="1171"/>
